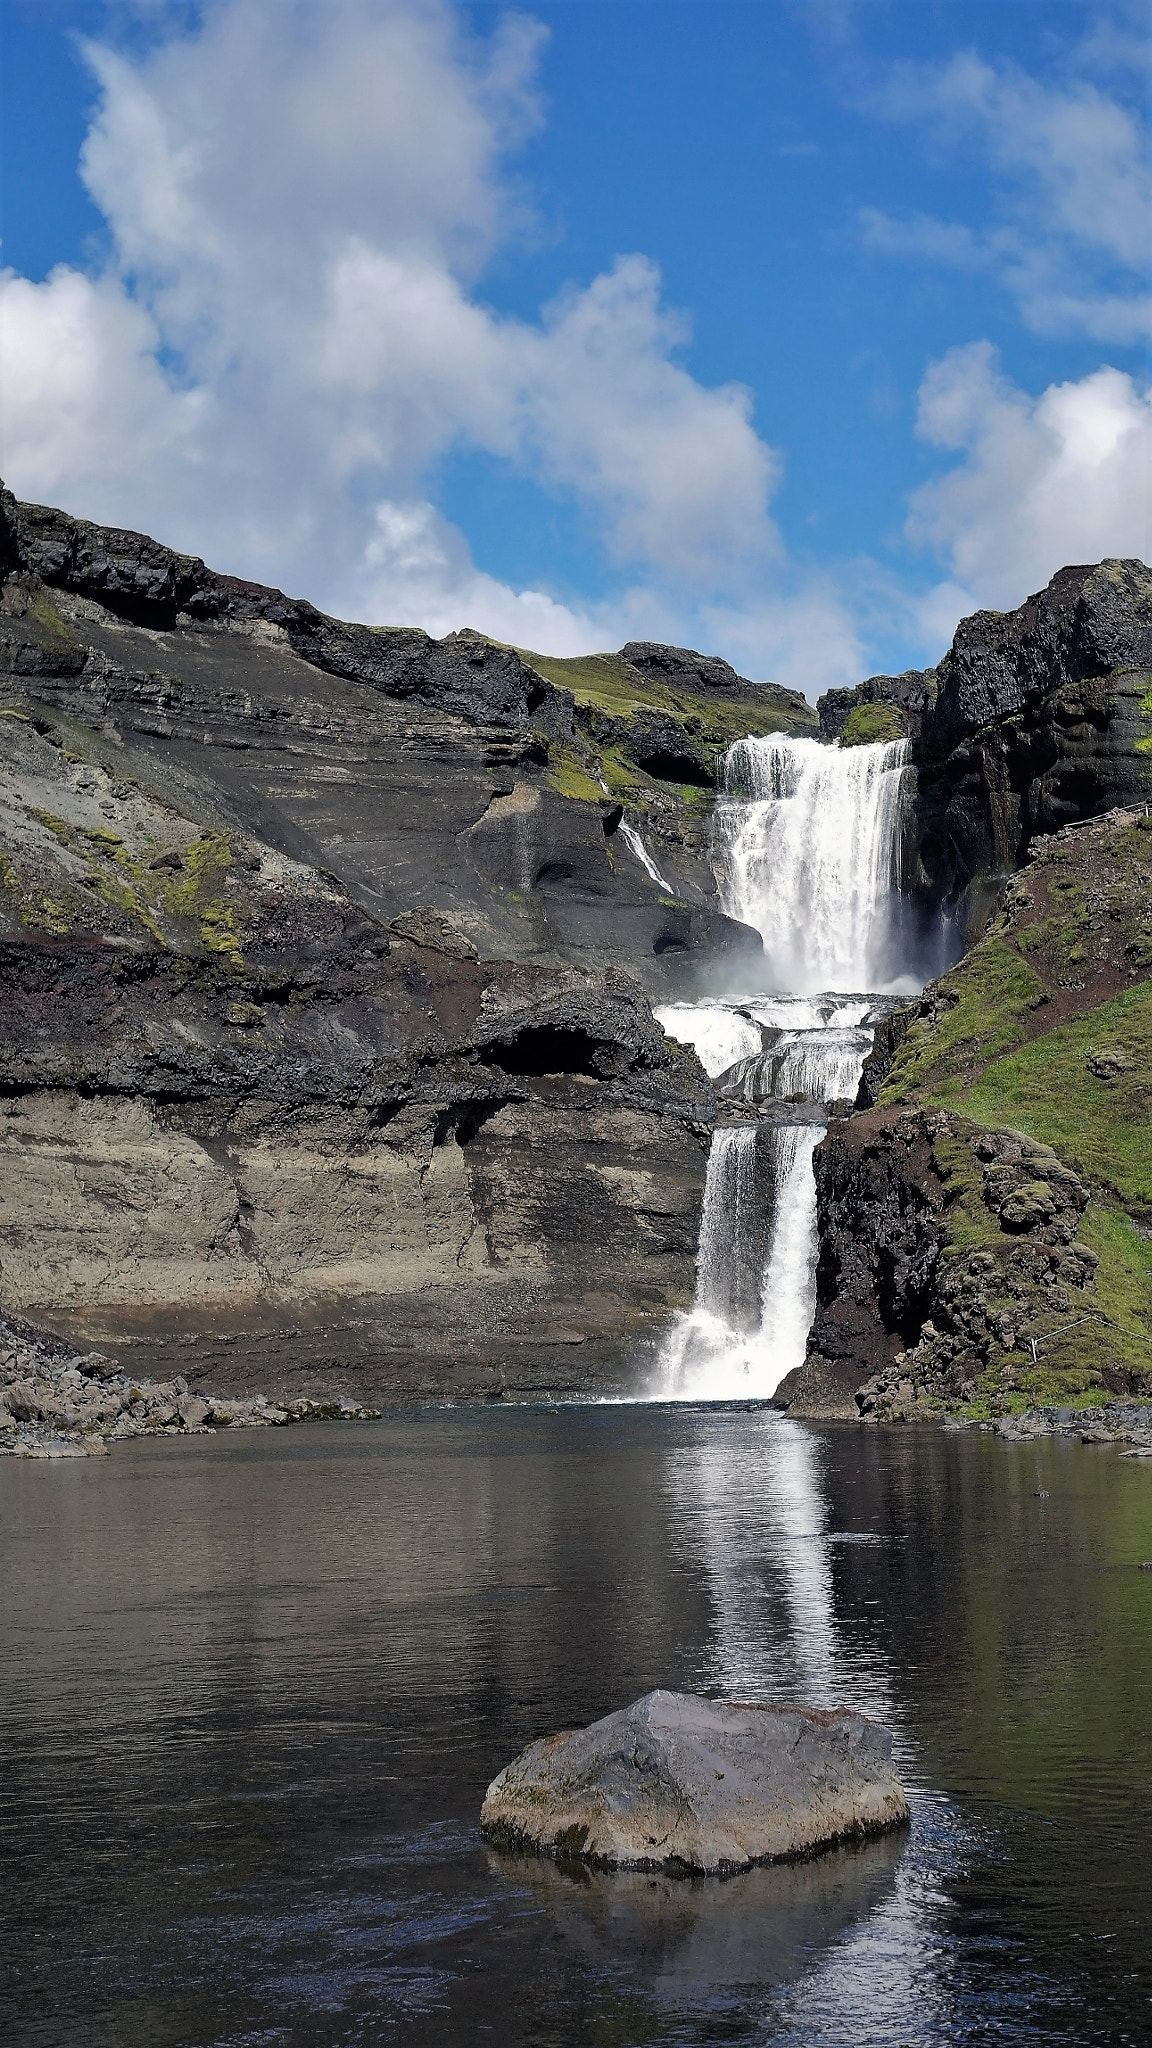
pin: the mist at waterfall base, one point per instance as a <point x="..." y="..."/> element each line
<point x="810" y="843"/>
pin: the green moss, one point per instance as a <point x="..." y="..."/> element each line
<point x="52" y="626"/>
<point x="196" y="893"/>
<point x="970" y="1223"/>
<point x="619" y="774"/>
<point x="569" y="777"/>
<point x="989" y="998"/>
<point x="145" y="896"/>
<point x="868" y="723"/>
<point x="606" y="683"/>
<point x="1099" y="1125"/>
<point x="51" y="823"/>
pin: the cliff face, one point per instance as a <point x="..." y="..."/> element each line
<point x="326" y="1060"/>
<point x="240" y="1112"/>
<point x="1034" y="718"/>
<point x="319" y="1069"/>
<point x="450" y="774"/>
<point x="985" y="1224"/>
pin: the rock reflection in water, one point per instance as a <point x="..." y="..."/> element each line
<point x="691" y="1939"/>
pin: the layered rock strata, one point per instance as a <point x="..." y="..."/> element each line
<point x="447" y="774"/>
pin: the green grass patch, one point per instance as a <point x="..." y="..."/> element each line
<point x="606" y="683"/>
<point x="970" y="1223"/>
<point x="1100" y="1126"/>
<point x="569" y="777"/>
<point x="1144" y="746"/>
<point x="993" y="990"/>
<point x="866" y="724"/>
<point x="51" y="626"/>
<point x="1123" y="1280"/>
<point x="619" y="774"/>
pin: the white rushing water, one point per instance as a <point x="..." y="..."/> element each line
<point x="810" y="842"/>
<point x="635" y="845"/>
<point x="728" y="1347"/>
<point x="809" y="839"/>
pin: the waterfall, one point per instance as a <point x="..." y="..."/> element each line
<point x="809" y="840"/>
<point x="808" y="837"/>
<point x="635" y="844"/>
<point x="749" y="1324"/>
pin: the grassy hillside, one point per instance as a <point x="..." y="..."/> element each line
<point x="1045" y="1028"/>
<point x="604" y="682"/>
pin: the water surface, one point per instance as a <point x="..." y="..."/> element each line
<point x="253" y="1689"/>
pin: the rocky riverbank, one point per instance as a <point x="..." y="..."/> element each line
<point x="56" y="1402"/>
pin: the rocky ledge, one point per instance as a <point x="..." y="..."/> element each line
<point x="56" y="1402"/>
<point x="678" y="1783"/>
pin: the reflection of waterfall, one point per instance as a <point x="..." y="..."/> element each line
<point x="810" y="839"/>
<point x="810" y="842"/>
<point x="757" y="1516"/>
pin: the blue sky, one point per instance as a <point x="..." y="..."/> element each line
<point x="793" y="330"/>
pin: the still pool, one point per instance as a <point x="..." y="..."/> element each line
<point x="253" y="1689"/>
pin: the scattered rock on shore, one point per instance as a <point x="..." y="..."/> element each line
<point x="685" y="1784"/>
<point x="59" y="1403"/>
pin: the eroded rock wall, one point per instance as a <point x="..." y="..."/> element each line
<point x="424" y="1170"/>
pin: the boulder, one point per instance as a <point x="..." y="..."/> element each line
<point x="679" y="1783"/>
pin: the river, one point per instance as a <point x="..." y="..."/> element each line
<point x="253" y="1689"/>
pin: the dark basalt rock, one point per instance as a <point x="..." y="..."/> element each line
<point x="879" y="1207"/>
<point x="426" y="774"/>
<point x="908" y="1319"/>
<point x="659" y="744"/>
<point x="150" y="585"/>
<point x="1088" y="624"/>
<point x="1029" y="723"/>
<point x="908" y="694"/>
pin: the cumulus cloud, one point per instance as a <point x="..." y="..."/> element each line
<point x="1065" y="477"/>
<point x="302" y="196"/>
<point x="1075" y="198"/>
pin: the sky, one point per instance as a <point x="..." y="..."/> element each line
<point x="792" y="330"/>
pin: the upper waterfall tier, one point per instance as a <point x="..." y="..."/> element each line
<point x="810" y="838"/>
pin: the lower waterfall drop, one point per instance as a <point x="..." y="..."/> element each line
<point x="809" y="836"/>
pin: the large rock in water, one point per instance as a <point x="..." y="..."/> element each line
<point x="680" y="1783"/>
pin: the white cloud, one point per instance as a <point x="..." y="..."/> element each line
<point x="302" y="195"/>
<point x="1075" y="197"/>
<point x="1065" y="477"/>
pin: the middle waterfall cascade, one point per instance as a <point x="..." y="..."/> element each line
<point x="809" y="841"/>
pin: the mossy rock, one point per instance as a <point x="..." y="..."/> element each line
<point x="868" y="724"/>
